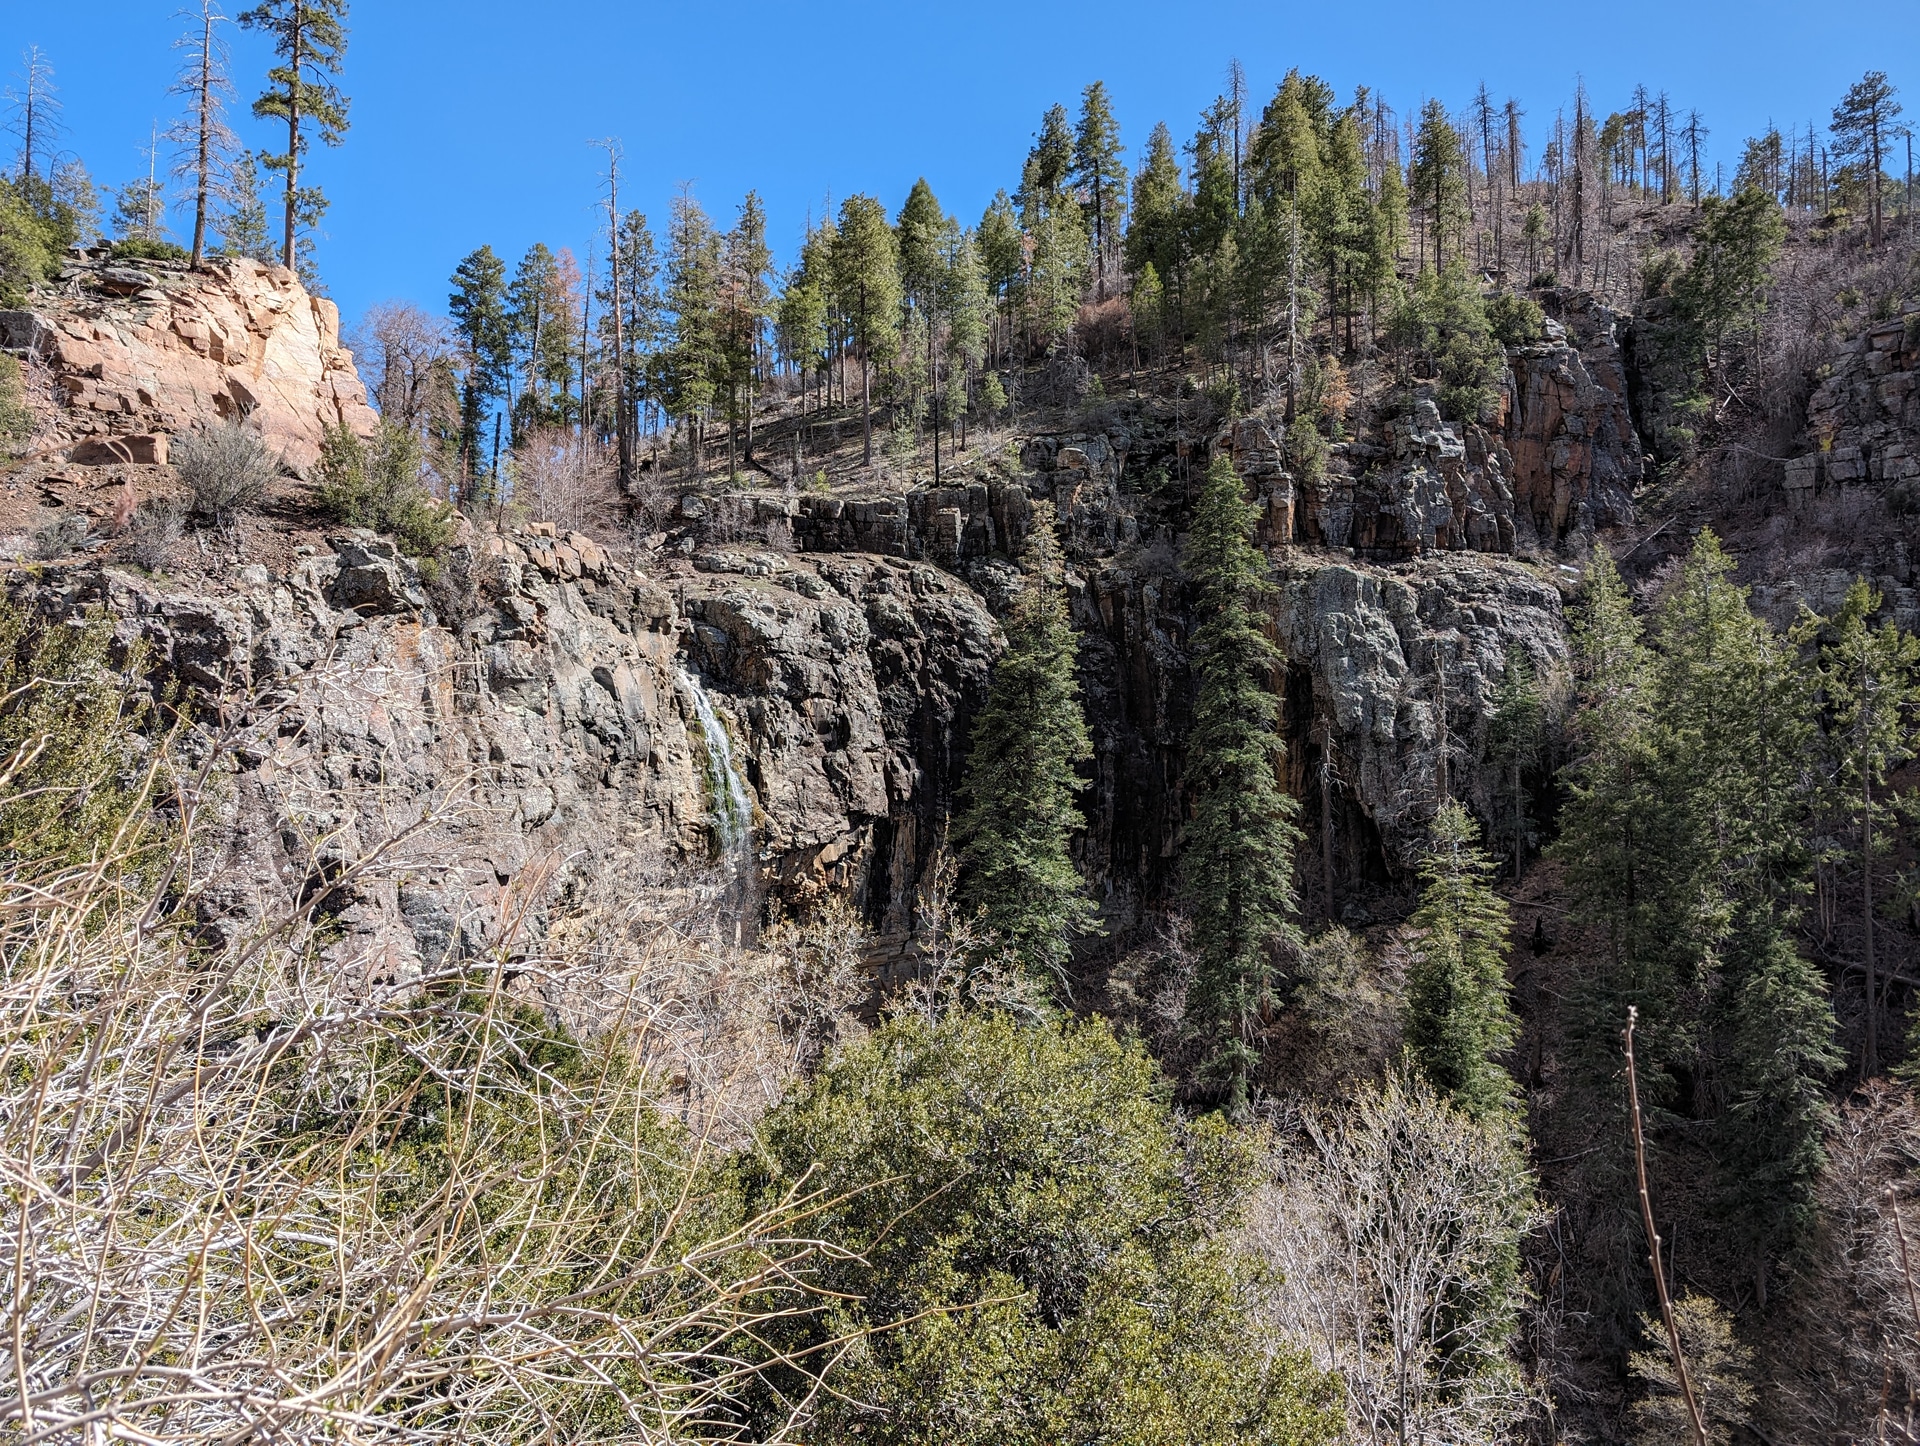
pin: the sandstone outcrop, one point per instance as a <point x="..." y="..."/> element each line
<point x="140" y="353"/>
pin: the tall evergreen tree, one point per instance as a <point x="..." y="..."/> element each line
<point x="1458" y="1017"/>
<point x="1514" y="732"/>
<point x="746" y="265"/>
<point x="1438" y="183"/>
<point x="1019" y="801"/>
<point x="478" y="307"/>
<point x="1050" y="163"/>
<point x="1101" y="174"/>
<point x="1237" y="856"/>
<point x="866" y="276"/>
<point x="692" y="367"/>
<point x="539" y="338"/>
<point x="1001" y="255"/>
<point x="1871" y="679"/>
<point x="310" y="37"/>
<point x="1865" y="124"/>
<point x="1157" y="223"/>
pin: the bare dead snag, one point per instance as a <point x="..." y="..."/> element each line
<point x="1653" y="1240"/>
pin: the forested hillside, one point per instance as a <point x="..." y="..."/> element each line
<point x="1266" y="795"/>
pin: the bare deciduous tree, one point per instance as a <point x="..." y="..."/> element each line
<point x="1394" y="1226"/>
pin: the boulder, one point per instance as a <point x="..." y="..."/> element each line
<point x="144" y="450"/>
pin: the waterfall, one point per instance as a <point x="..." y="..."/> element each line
<point x="730" y="812"/>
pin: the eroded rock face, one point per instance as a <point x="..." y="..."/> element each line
<point x="508" y="753"/>
<point x="1575" y="459"/>
<point x="141" y="354"/>
<point x="1863" y="420"/>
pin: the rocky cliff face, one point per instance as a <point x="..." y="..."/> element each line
<point x="779" y="689"/>
<point x="559" y="724"/>
<point x="142" y="352"/>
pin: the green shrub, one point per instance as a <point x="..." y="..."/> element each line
<point x="1442" y="326"/>
<point x="378" y="485"/>
<point x="69" y="743"/>
<point x="1516" y="320"/>
<point x="1047" y="1240"/>
<point x="1307" y="451"/>
<point x="16" y="422"/>
<point x="149" y="248"/>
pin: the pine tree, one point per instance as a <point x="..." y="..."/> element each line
<point x="1050" y="163"/>
<point x="1725" y="284"/>
<point x="745" y="265"/>
<point x="1513" y="739"/>
<point x="1871" y="679"/>
<point x="1101" y="174"/>
<point x="964" y="303"/>
<point x="1864" y="124"/>
<point x="478" y="307"/>
<point x="639" y="305"/>
<point x="243" y="228"/>
<point x="1157" y="224"/>
<point x="1438" y="180"/>
<point x="539" y="324"/>
<point x="692" y="367"/>
<point x="1237" y="856"/>
<point x="866" y="276"/>
<point x="1458" y="1018"/>
<point x="1019" y="801"/>
<point x="1001" y="256"/>
<point x="310" y="37"/>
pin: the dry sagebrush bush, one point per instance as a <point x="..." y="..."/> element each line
<point x="251" y="1197"/>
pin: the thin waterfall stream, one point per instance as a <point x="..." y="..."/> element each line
<point x="730" y="811"/>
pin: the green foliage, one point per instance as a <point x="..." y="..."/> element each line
<point x="34" y="230"/>
<point x="865" y="262"/>
<point x="1099" y="168"/>
<point x="1019" y="811"/>
<point x="1442" y="322"/>
<point x="1038" y="1249"/>
<point x="72" y="786"/>
<point x="16" y="421"/>
<point x="1458" y="1017"/>
<point x="1515" y="320"/>
<point x="1307" y="451"/>
<point x="1870" y="681"/>
<point x="1686" y="838"/>
<point x="378" y="485"/>
<point x="1515" y="734"/>
<point x="478" y="306"/>
<point x="1237" y="854"/>
<point x="148" y="248"/>
<point x="1437" y="181"/>
<point x="993" y="396"/>
<point x="243" y="226"/>
<point x="310" y="37"/>
<point x="1734" y="251"/>
<point x="1719" y="1368"/>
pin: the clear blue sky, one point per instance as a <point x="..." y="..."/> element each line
<point x="471" y="120"/>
